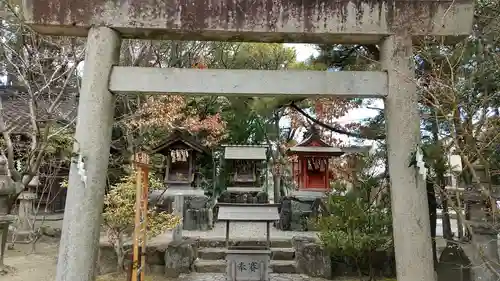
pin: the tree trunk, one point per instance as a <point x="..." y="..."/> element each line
<point x="120" y="264"/>
<point x="431" y="199"/>
<point x="120" y="254"/>
<point x="440" y="171"/>
<point x="277" y="187"/>
<point x="447" y="233"/>
<point x="279" y="171"/>
<point x="4" y="231"/>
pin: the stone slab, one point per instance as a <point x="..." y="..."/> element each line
<point x="279" y="266"/>
<point x="221" y="243"/>
<point x="307" y="21"/>
<point x="219" y="266"/>
<point x="220" y="253"/>
<point x="248" y="212"/>
<point x="210" y="266"/>
<point x="239" y="231"/>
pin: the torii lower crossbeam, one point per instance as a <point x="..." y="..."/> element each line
<point x="242" y="82"/>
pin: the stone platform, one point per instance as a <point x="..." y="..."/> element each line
<point x="212" y="254"/>
<point x="244" y="230"/>
<point x="204" y="251"/>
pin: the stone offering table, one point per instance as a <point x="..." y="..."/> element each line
<point x="248" y="263"/>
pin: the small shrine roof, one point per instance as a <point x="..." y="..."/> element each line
<point x="327" y="151"/>
<point x="180" y="136"/>
<point x="244" y="145"/>
<point x="245" y="152"/>
<point x="313" y="140"/>
<point x="316" y="146"/>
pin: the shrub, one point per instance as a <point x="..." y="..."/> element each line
<point x="355" y="230"/>
<point x="119" y="216"/>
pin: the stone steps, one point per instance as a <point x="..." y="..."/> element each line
<point x="212" y="253"/>
<point x="285" y="254"/>
<point x="219" y="266"/>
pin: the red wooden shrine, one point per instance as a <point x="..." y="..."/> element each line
<point x="311" y="171"/>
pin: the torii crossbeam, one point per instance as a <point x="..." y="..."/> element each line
<point x="395" y="25"/>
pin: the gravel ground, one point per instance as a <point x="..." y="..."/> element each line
<point x="31" y="267"/>
<point x="42" y="267"/>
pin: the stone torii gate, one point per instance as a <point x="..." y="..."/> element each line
<point x="395" y="25"/>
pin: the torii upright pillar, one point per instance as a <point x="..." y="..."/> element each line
<point x="410" y="212"/>
<point x="393" y="25"/>
<point x="79" y="244"/>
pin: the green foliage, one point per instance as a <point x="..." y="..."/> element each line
<point x="59" y="143"/>
<point x="244" y="116"/>
<point x="119" y="215"/>
<point x="119" y="211"/>
<point x="356" y="229"/>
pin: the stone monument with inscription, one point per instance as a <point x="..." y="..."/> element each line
<point x="248" y="263"/>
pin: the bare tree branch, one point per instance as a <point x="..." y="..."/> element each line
<point x="332" y="128"/>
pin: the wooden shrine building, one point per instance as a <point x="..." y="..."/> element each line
<point x="181" y="151"/>
<point x="245" y="174"/>
<point x="312" y="175"/>
<point x="246" y="162"/>
<point x="183" y="195"/>
<point x="311" y="170"/>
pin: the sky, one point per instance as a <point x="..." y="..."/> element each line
<point x="303" y="52"/>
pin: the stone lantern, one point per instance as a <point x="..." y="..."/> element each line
<point x="26" y="212"/>
<point x="7" y="190"/>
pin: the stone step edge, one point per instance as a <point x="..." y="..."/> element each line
<point x="219" y="266"/>
<point x="276" y="253"/>
<point x="218" y="242"/>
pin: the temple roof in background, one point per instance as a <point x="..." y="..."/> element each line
<point x="16" y="110"/>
